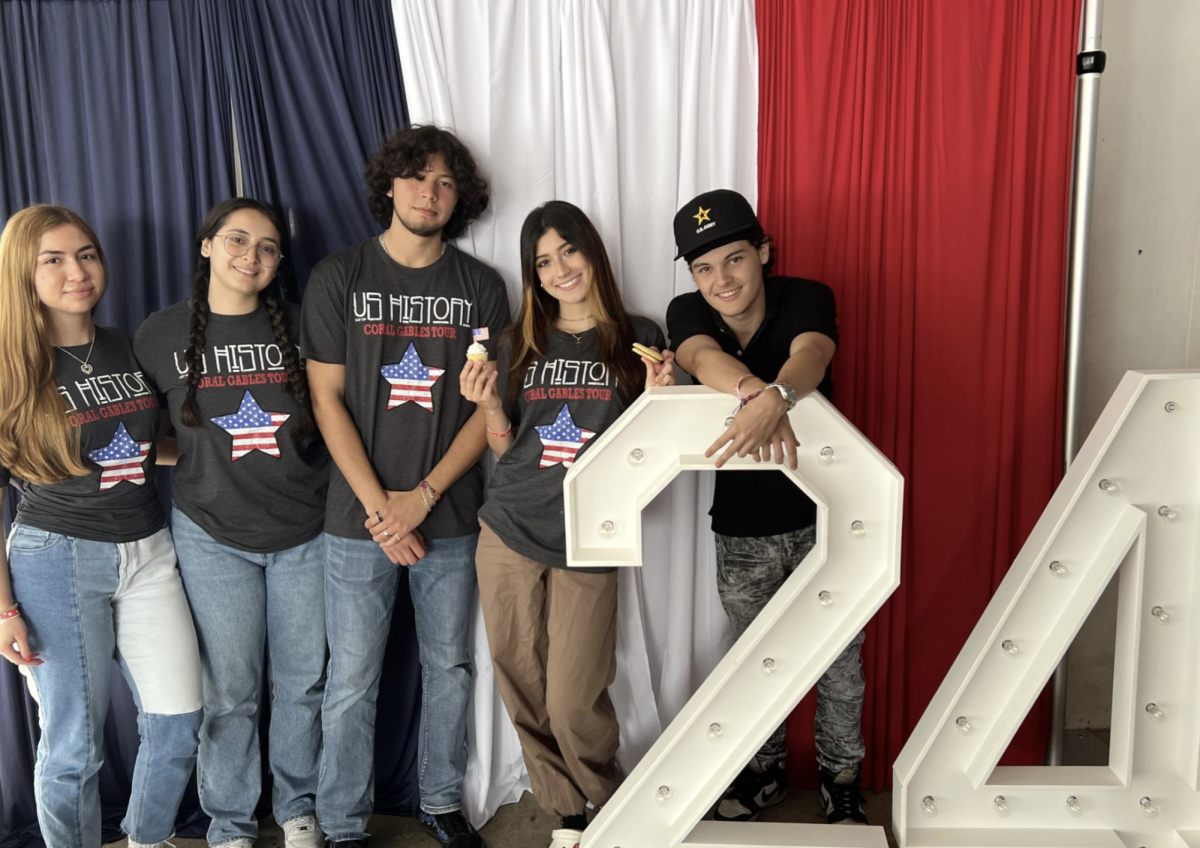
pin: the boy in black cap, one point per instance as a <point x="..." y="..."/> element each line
<point x="769" y="342"/>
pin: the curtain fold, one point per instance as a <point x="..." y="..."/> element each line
<point x="915" y="156"/>
<point x="628" y="110"/>
<point x="316" y="86"/>
<point x="125" y="111"/>
<point x="118" y="111"/>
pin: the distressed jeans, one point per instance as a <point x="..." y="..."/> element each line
<point x="750" y="570"/>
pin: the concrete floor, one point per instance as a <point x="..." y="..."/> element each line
<point x="524" y="825"/>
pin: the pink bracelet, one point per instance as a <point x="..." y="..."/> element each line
<point x="737" y="387"/>
<point x="500" y="435"/>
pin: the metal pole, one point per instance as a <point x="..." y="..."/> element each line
<point x="1089" y="65"/>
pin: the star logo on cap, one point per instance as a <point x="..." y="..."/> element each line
<point x="702" y="215"/>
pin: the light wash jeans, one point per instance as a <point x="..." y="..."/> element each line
<point x="244" y="603"/>
<point x="360" y="593"/>
<point x="84" y="603"/>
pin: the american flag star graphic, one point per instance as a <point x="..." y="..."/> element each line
<point x="121" y="460"/>
<point x="562" y="440"/>
<point x="411" y="380"/>
<point x="252" y="428"/>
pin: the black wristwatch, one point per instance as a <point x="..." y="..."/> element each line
<point x="788" y="393"/>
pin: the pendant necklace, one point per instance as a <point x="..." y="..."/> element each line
<point x="577" y="339"/>
<point x="84" y="366"/>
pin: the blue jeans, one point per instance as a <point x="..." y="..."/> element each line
<point x="243" y="603"/>
<point x="360" y="593"/>
<point x="84" y="604"/>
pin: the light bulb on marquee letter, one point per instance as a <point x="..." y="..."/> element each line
<point x="850" y="572"/>
<point x="1121" y="514"/>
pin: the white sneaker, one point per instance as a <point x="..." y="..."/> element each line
<point x="240" y="842"/>
<point x="302" y="832"/>
<point x="133" y="843"/>
<point x="563" y="838"/>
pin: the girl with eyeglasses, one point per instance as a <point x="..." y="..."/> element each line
<point x="90" y="573"/>
<point x="249" y="505"/>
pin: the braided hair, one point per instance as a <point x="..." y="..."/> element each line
<point x="272" y="301"/>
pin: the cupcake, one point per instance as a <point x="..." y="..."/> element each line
<point x="477" y="352"/>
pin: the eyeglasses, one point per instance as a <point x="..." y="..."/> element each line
<point x="237" y="244"/>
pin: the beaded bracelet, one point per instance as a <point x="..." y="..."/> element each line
<point x="742" y="401"/>
<point x="433" y="494"/>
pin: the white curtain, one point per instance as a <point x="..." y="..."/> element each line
<point x="627" y="108"/>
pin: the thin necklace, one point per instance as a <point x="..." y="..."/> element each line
<point x="577" y="339"/>
<point x="383" y="244"/>
<point x="587" y="317"/>
<point x="84" y="365"/>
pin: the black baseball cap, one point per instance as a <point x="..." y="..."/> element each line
<point x="711" y="220"/>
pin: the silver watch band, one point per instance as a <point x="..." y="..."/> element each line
<point x="786" y="392"/>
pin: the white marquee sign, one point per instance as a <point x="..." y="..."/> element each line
<point x="1130" y="501"/>
<point x="853" y="569"/>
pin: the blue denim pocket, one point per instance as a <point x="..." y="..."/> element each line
<point x="31" y="539"/>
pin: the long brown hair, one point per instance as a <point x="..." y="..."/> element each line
<point x="530" y="333"/>
<point x="37" y="442"/>
<point x="271" y="299"/>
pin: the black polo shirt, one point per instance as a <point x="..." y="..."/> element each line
<point x="761" y="503"/>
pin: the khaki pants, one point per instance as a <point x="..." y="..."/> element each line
<point x="553" y="638"/>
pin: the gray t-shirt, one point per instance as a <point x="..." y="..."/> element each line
<point x="117" y="412"/>
<point x="568" y="399"/>
<point x="241" y="476"/>
<point x="402" y="334"/>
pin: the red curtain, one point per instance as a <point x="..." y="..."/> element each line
<point x="915" y="155"/>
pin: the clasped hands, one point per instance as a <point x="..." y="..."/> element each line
<point x="394" y="526"/>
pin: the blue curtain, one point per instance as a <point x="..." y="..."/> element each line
<point x="121" y="109"/>
<point x="117" y="110"/>
<point x="316" y="86"/>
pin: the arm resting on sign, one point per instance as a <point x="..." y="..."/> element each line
<point x="761" y="428"/>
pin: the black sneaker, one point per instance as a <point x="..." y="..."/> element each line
<point x="841" y="796"/>
<point x="753" y="791"/>
<point x="450" y="829"/>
